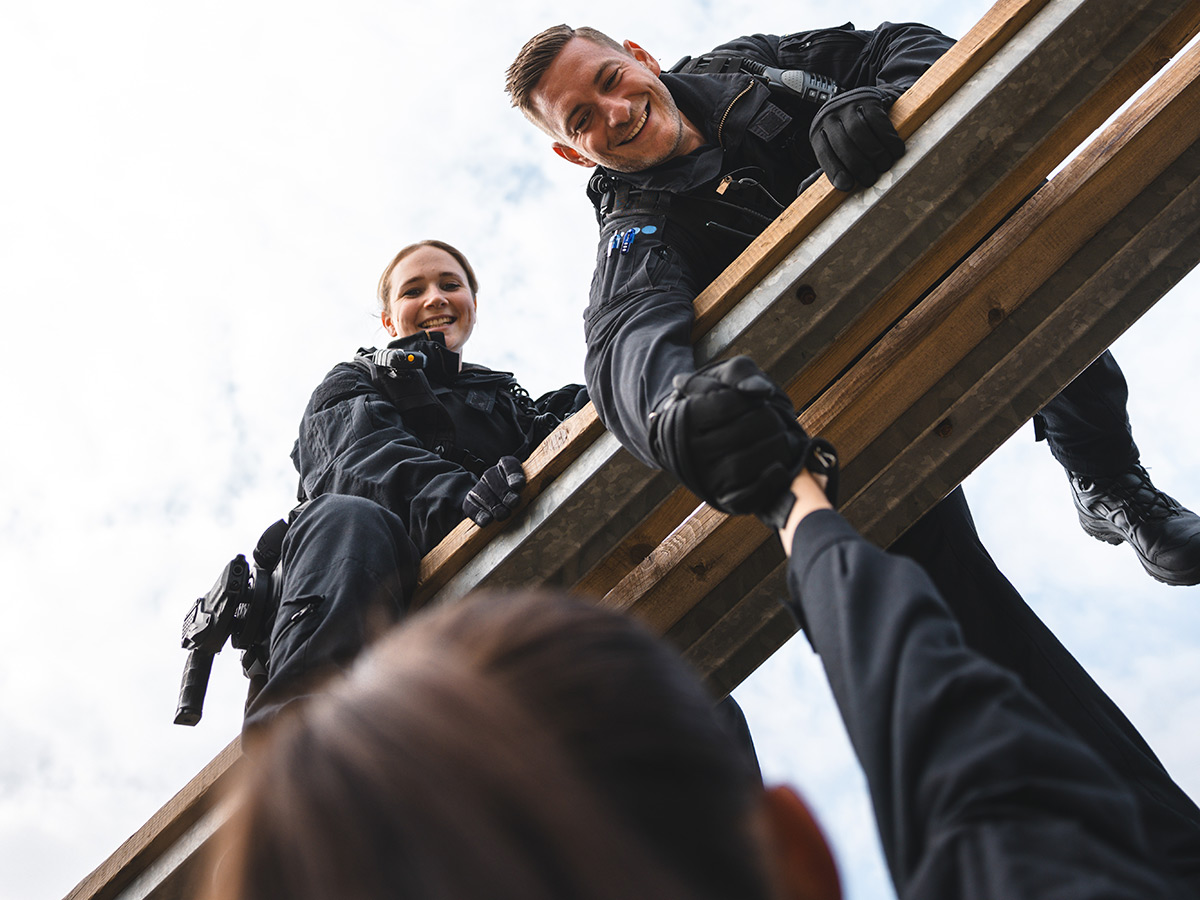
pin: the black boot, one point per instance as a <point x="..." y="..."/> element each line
<point x="1127" y="507"/>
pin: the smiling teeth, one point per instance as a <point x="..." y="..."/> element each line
<point x="641" y="123"/>
<point x="440" y="320"/>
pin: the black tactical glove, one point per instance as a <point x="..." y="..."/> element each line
<point x="496" y="494"/>
<point x="853" y="138"/>
<point x="730" y="435"/>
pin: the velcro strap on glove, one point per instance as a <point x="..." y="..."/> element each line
<point x="819" y="458"/>
<point x="497" y="492"/>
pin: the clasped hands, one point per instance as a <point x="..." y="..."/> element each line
<point x="730" y="435"/>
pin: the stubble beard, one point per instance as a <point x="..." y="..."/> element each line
<point x="674" y="120"/>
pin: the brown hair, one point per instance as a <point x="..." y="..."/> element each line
<point x="385" y="280"/>
<point x="524" y="746"/>
<point x="535" y="58"/>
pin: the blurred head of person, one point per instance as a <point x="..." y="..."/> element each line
<point x="527" y="746"/>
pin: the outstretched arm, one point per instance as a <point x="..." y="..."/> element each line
<point x="978" y="790"/>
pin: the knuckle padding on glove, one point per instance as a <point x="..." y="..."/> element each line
<point x="512" y="472"/>
<point x="496" y="494"/>
<point x="854" y="139"/>
<point x="729" y="434"/>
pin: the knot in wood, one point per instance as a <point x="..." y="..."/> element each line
<point x="806" y="295"/>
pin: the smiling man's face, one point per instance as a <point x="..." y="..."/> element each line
<point x="610" y="108"/>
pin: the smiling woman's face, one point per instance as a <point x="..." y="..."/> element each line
<point x="430" y="292"/>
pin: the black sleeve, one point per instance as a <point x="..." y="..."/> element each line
<point x="894" y="54"/>
<point x="638" y="328"/>
<point x="979" y="791"/>
<point x="354" y="441"/>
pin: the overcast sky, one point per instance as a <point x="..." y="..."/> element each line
<point x="195" y="205"/>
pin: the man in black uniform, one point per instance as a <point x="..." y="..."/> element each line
<point x="663" y="145"/>
<point x="674" y="152"/>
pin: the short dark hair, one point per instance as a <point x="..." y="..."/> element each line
<point x="526" y="746"/>
<point x="536" y="57"/>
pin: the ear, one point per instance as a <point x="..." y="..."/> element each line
<point x="801" y="855"/>
<point x="643" y="57"/>
<point x="571" y="155"/>
<point x="386" y="319"/>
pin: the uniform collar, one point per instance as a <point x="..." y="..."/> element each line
<point x="442" y="364"/>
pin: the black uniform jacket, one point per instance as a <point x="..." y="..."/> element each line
<point x="639" y="318"/>
<point x="416" y="440"/>
<point x="979" y="791"/>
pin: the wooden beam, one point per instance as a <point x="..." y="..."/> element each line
<point x="1047" y="59"/>
<point x="997" y="27"/>
<point x="1047" y="294"/>
<point x="1086" y="256"/>
<point x="943" y="252"/>
<point x="638" y="544"/>
<point x="992" y="144"/>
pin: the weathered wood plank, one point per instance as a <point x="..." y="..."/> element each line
<point x="1037" y="346"/>
<point x="639" y="543"/>
<point x="992" y="144"/>
<point x="877" y="394"/>
<point x="965" y="60"/>
<point x="946" y="76"/>
<point x="1035" y="243"/>
<point x="1114" y="256"/>
<point x="956" y="242"/>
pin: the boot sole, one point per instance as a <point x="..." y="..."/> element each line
<point x="1111" y="535"/>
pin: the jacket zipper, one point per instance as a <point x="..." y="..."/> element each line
<point x="725" y="116"/>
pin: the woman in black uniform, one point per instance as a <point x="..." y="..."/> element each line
<point x="395" y="447"/>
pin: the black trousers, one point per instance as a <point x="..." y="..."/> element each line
<point x="349" y="569"/>
<point x="1087" y="425"/>
<point x="997" y="622"/>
